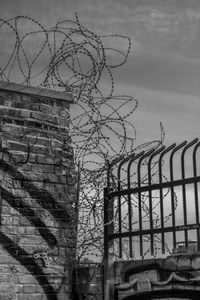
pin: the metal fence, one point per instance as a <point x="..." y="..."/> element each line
<point x="137" y="195"/>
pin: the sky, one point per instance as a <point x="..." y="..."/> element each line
<point x="163" y="69"/>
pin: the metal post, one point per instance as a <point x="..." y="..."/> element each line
<point x="108" y="245"/>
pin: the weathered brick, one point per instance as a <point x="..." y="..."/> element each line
<point x="30" y="297"/>
<point x="9" y="296"/>
<point x="5" y="210"/>
<point x="27" y="279"/>
<point x="37" y="194"/>
<point x="29" y="289"/>
<point x="5" y="288"/>
<point x="30" y="230"/>
<point x="6" y="220"/>
<point x="19" y="230"/>
<point x="16" y="221"/>
<point x="31" y="240"/>
<point x="4" y="278"/>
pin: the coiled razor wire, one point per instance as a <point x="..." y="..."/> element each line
<point x="69" y="57"/>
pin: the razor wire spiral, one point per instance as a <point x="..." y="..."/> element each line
<point x="69" y="57"/>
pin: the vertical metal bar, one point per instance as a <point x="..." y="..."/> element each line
<point x="106" y="212"/>
<point x="105" y="222"/>
<point x="108" y="174"/>
<point x="172" y="189"/>
<point x="150" y="197"/>
<point x="184" y="189"/>
<point x="0" y="207"/>
<point x="184" y="198"/>
<point x="108" y="222"/>
<point x="3" y="153"/>
<point x="108" y="257"/>
<point x="196" y="193"/>
<point x="140" y="207"/>
<point x="119" y="201"/>
<point x="140" y="198"/>
<point x="77" y="203"/>
<point x="119" y="212"/>
<point x="129" y="200"/>
<point x="161" y="195"/>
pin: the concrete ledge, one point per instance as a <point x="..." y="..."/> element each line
<point x="20" y="88"/>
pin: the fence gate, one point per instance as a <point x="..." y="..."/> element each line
<point x="151" y="208"/>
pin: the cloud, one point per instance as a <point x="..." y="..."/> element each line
<point x="164" y="67"/>
<point x="162" y="73"/>
<point x="157" y="27"/>
<point x="179" y="114"/>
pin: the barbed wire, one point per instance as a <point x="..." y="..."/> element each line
<point x="69" y="57"/>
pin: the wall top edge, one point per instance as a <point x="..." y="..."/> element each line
<point x="20" y="88"/>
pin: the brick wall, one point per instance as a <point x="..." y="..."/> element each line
<point x="37" y="195"/>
